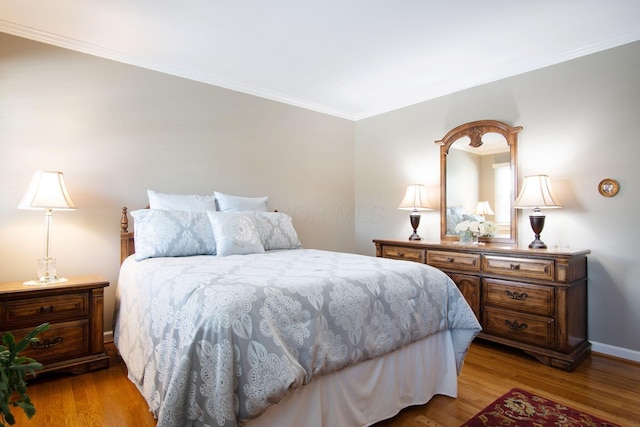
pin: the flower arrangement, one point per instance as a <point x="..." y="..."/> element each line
<point x="469" y="231"/>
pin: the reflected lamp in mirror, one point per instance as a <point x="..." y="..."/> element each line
<point x="484" y="209"/>
<point x="537" y="194"/>
<point x="415" y="199"/>
<point x="47" y="192"/>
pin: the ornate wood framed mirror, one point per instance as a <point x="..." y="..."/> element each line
<point x="478" y="178"/>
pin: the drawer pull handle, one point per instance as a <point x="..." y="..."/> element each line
<point x="46" y="343"/>
<point x="516" y="295"/>
<point x="401" y="254"/>
<point x="449" y="259"/>
<point x="515" y="266"/>
<point x="47" y="309"/>
<point x="515" y="325"/>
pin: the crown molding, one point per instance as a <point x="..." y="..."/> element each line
<point x="126" y="58"/>
<point x="436" y="92"/>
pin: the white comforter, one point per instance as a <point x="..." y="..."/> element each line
<point x="213" y="340"/>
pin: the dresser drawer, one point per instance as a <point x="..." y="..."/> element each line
<point x="407" y="254"/>
<point x="34" y="311"/>
<point x="536" y="299"/>
<point x="454" y="260"/>
<point x="521" y="327"/>
<point x="59" y="342"/>
<point x="530" y="268"/>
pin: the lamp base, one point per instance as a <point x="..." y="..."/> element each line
<point x="537" y="224"/>
<point x="46" y="273"/>
<point x="537" y="244"/>
<point x="415" y="223"/>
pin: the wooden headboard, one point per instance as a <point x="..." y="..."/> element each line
<point x="127" y="245"/>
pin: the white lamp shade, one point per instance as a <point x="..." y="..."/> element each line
<point x="483" y="208"/>
<point x="537" y="193"/>
<point x="47" y="191"/>
<point x="415" y="199"/>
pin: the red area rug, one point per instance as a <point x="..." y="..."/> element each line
<point x="519" y="408"/>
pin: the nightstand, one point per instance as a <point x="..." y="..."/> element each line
<point x="74" y="309"/>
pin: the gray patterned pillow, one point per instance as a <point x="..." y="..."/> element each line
<point x="163" y="233"/>
<point x="236" y="233"/>
<point x="276" y="231"/>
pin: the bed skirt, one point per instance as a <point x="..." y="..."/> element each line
<point x="372" y="391"/>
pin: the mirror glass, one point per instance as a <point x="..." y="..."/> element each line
<point x="478" y="179"/>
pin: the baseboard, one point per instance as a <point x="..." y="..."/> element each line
<point x="620" y="352"/>
<point x="108" y="336"/>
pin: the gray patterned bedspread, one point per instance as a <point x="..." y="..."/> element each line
<point x="214" y="340"/>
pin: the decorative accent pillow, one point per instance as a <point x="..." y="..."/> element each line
<point x="276" y="231"/>
<point x="164" y="233"/>
<point x="228" y="203"/>
<point x="181" y="202"/>
<point x="236" y="233"/>
<point x="471" y="217"/>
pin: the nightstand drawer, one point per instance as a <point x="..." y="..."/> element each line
<point x="536" y="299"/>
<point x="407" y="254"/>
<point x="74" y="310"/>
<point x="34" y="311"/>
<point x="521" y="327"/>
<point x="454" y="260"/>
<point x="60" y="341"/>
<point x="530" y="268"/>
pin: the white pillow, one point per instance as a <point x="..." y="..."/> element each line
<point x="228" y="203"/>
<point x="163" y="233"/>
<point x="276" y="231"/>
<point x="236" y="233"/>
<point x="181" y="202"/>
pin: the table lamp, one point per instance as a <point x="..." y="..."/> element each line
<point x="536" y="194"/>
<point x="47" y="192"/>
<point x="415" y="199"/>
<point x="483" y="208"/>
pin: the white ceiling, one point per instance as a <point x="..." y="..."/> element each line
<point x="347" y="58"/>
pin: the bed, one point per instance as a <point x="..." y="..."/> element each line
<point x="279" y="335"/>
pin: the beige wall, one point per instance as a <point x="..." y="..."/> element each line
<point x="581" y="124"/>
<point x="116" y="130"/>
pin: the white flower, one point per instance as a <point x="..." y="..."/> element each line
<point x="477" y="228"/>
<point x="487" y="229"/>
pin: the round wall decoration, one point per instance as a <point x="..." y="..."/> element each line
<point x="608" y="187"/>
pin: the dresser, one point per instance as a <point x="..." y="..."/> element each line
<point x="531" y="299"/>
<point x="74" y="310"/>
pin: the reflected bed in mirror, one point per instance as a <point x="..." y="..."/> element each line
<point x="478" y="167"/>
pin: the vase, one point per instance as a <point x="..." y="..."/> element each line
<point x="468" y="238"/>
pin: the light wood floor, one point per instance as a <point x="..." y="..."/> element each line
<point x="605" y="387"/>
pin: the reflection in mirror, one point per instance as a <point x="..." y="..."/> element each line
<point x="478" y="179"/>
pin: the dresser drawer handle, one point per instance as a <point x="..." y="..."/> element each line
<point x="449" y="259"/>
<point x="401" y="254"/>
<point x="515" y="266"/>
<point x="515" y="325"/>
<point x="516" y="295"/>
<point x="47" y="309"/>
<point x="46" y="343"/>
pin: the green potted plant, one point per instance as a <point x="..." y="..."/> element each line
<point x="13" y="373"/>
